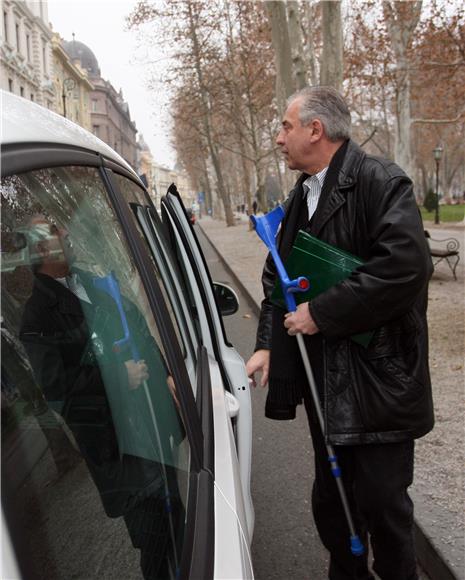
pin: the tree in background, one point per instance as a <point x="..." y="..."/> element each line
<point x="234" y="63"/>
<point x="404" y="80"/>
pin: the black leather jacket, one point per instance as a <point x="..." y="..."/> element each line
<point x="381" y="393"/>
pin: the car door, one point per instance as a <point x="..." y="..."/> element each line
<point x="106" y="469"/>
<point x="230" y="363"/>
<point x="181" y="288"/>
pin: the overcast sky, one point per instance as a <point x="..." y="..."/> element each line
<point x="100" y="25"/>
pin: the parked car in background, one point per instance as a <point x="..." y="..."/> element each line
<point x="126" y="414"/>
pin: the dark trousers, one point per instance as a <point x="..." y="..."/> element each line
<point x="376" y="478"/>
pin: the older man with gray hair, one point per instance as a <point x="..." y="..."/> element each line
<point x="376" y="399"/>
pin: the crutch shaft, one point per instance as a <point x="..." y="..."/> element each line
<point x="356" y="545"/>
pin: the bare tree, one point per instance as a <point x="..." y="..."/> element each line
<point x="191" y="29"/>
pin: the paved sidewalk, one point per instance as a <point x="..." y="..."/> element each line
<point x="438" y="488"/>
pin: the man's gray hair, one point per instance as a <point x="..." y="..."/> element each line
<point x="327" y="105"/>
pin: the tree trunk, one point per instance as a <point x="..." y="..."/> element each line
<point x="205" y="182"/>
<point x="401" y="20"/>
<point x="282" y="50"/>
<point x="331" y="71"/>
<point x="309" y="16"/>
<point x="236" y="105"/>
<point x="229" y="216"/>
<point x="297" y="47"/>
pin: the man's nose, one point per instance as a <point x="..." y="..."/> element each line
<point x="280" y="138"/>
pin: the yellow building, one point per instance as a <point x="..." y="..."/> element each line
<point x="72" y="87"/>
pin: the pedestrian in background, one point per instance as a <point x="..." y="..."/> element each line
<point x="377" y="399"/>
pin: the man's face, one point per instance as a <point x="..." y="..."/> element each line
<point x="295" y="140"/>
<point x="55" y="246"/>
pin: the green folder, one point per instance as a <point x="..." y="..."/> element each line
<point x="324" y="265"/>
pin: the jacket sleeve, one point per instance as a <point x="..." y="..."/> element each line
<point x="398" y="265"/>
<point x="264" y="324"/>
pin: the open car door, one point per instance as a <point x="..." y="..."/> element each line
<point x="204" y="308"/>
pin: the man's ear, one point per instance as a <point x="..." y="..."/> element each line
<point x="317" y="130"/>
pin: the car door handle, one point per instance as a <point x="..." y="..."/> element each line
<point x="232" y="404"/>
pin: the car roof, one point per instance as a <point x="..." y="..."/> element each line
<point x="25" y="122"/>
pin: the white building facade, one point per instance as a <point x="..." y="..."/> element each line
<point x="26" y="51"/>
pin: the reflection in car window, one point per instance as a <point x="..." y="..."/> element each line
<point x="94" y="450"/>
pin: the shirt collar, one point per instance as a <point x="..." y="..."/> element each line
<point x="320" y="176"/>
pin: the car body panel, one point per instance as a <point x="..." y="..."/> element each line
<point x="233" y="558"/>
<point x="26" y="122"/>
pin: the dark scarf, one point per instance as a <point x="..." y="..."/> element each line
<point x="287" y="379"/>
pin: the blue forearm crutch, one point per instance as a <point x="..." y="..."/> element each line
<point x="266" y="228"/>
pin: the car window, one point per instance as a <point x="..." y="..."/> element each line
<point x="190" y="291"/>
<point x="166" y="269"/>
<point x="94" y="448"/>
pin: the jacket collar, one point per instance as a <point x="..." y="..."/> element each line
<point x="350" y="167"/>
<point x="55" y="294"/>
<point x="342" y="175"/>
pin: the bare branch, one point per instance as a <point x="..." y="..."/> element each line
<point x="369" y="138"/>
<point x="440" y="121"/>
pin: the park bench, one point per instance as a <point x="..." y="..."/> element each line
<point x="447" y="249"/>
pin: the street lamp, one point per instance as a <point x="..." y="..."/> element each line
<point x="437" y="152"/>
<point x="68" y="85"/>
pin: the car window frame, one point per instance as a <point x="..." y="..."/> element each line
<point x="167" y="271"/>
<point x="169" y="218"/>
<point x="166" y="268"/>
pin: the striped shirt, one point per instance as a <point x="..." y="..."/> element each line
<point x="312" y="188"/>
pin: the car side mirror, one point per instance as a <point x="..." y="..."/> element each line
<point x="226" y="299"/>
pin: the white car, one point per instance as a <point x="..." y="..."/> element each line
<point x="126" y="414"/>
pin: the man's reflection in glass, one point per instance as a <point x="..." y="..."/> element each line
<point x="108" y="399"/>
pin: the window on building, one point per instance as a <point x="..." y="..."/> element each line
<point x="28" y="46"/>
<point x="5" y="25"/>
<point x="44" y="56"/>
<point x="10" y="85"/>
<point x="32" y="96"/>
<point x="18" y="47"/>
<point x="21" y="91"/>
<point x="94" y="105"/>
<point x="96" y="130"/>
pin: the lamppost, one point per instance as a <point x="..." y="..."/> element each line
<point x="68" y="85"/>
<point x="437" y="152"/>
